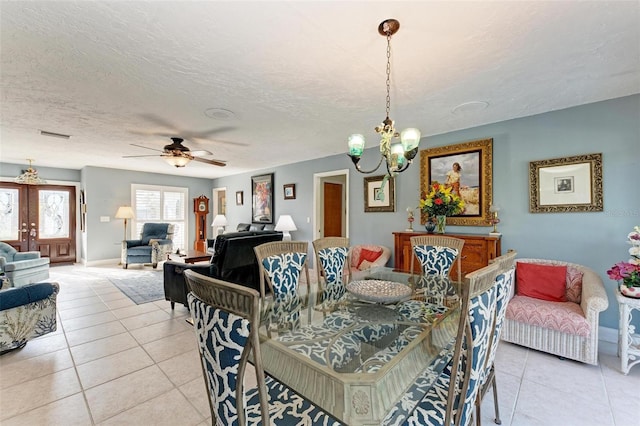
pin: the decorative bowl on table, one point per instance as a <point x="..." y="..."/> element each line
<point x="379" y="291"/>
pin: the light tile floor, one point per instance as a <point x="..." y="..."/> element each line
<point x="112" y="362"/>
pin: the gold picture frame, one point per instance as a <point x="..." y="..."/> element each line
<point x="474" y="179"/>
<point x="569" y="184"/>
<point x="379" y="198"/>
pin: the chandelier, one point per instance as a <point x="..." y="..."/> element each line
<point x="398" y="156"/>
<point x="30" y="176"/>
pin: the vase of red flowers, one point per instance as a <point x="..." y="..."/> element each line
<point x="441" y="202"/>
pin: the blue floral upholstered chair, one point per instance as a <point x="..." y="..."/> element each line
<point x="26" y="312"/>
<point x="436" y="255"/>
<point x="154" y="245"/>
<point x="505" y="281"/>
<point x="452" y="399"/>
<point x="226" y="321"/>
<point x="281" y="265"/>
<point x="332" y="254"/>
<point x="23" y="268"/>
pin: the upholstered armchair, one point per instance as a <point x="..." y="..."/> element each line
<point x="364" y="257"/>
<point x="22" y="268"/>
<point x="25" y="313"/>
<point x="154" y="245"/>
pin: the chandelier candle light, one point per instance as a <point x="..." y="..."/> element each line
<point x="397" y="156"/>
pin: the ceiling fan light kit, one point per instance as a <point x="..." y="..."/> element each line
<point x="179" y="155"/>
<point x="398" y="156"/>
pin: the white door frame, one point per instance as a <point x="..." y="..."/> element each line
<point x="318" y="204"/>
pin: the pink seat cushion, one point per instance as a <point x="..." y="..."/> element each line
<point x="566" y="317"/>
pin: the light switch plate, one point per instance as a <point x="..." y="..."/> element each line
<point x="105" y="219"/>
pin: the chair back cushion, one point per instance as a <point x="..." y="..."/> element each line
<point x="284" y="274"/>
<point x="222" y="339"/>
<point x="481" y="313"/>
<point x="7" y="251"/>
<point x="157" y="231"/>
<point x="332" y="260"/>
<point x="436" y="260"/>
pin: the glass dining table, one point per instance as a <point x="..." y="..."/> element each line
<point x="370" y="356"/>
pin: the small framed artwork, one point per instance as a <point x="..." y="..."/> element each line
<point x="466" y="168"/>
<point x="290" y="191"/>
<point x="570" y="184"/>
<point x="262" y="198"/>
<point x="379" y="194"/>
<point x="239" y="198"/>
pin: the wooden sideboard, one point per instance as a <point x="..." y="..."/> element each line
<point x="477" y="251"/>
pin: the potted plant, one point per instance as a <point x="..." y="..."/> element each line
<point x="628" y="273"/>
<point x="441" y="202"/>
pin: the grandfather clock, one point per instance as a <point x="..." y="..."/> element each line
<point x="201" y="209"/>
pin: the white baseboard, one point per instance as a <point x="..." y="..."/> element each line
<point x="607" y="334"/>
<point x="102" y="262"/>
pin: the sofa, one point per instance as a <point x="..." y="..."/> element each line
<point x="233" y="260"/>
<point x="22" y="268"/>
<point x="26" y="312"/>
<point x="548" y="317"/>
<point x="242" y="227"/>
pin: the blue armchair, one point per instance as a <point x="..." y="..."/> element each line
<point x="154" y="245"/>
<point x="22" y="268"/>
<point x="25" y="313"/>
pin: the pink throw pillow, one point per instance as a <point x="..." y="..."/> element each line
<point x="574" y="285"/>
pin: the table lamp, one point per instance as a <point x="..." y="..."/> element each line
<point x="220" y="221"/>
<point x="285" y="224"/>
<point x="125" y="212"/>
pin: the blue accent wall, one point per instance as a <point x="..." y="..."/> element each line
<point x="596" y="239"/>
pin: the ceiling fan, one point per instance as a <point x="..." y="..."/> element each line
<point x="179" y="155"/>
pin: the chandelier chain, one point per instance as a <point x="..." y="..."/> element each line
<point x="388" y="73"/>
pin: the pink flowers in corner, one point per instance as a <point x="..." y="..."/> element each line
<point x="623" y="270"/>
<point x="629" y="272"/>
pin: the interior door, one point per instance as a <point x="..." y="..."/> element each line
<point x="332" y="209"/>
<point x="39" y="218"/>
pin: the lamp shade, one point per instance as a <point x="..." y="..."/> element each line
<point x="285" y="223"/>
<point x="125" y="212"/>
<point x="219" y="220"/>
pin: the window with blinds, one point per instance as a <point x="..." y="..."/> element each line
<point x="161" y="204"/>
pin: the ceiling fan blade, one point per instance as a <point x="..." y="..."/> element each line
<point x="203" y="134"/>
<point x="137" y="156"/>
<point x="214" y="162"/>
<point x="219" y="141"/>
<point x="200" y="153"/>
<point x="158" y="120"/>
<point x="145" y="147"/>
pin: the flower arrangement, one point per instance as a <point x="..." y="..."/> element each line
<point x="441" y="201"/>
<point x="629" y="272"/>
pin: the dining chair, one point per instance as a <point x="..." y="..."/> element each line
<point x="281" y="264"/>
<point x="333" y="272"/>
<point x="436" y="254"/>
<point x="505" y="281"/>
<point x="451" y="400"/>
<point x="226" y="320"/>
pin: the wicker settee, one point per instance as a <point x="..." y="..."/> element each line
<point x="567" y="329"/>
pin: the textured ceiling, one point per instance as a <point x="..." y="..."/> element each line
<point x="299" y="76"/>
